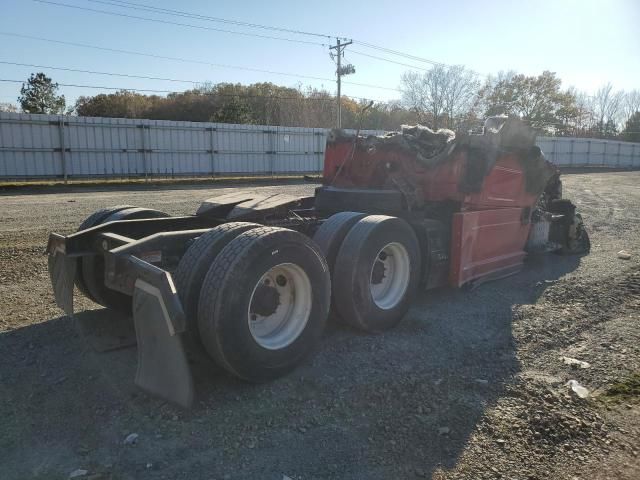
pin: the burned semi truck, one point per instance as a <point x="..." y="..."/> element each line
<point x="250" y="279"/>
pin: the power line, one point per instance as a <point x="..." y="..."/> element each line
<point x="400" y="54"/>
<point x="96" y="87"/>
<point x="123" y="4"/>
<point x="93" y="72"/>
<point x="179" y="13"/>
<point x="412" y="66"/>
<point x="167" y="11"/>
<point x="145" y="77"/>
<point x="168" y="22"/>
<point x="387" y="60"/>
<point x="161" y="57"/>
<point x="237" y="95"/>
<point x="185" y="60"/>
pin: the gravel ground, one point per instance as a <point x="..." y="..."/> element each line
<point x="471" y="385"/>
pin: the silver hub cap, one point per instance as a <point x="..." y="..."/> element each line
<point x="390" y="274"/>
<point x="280" y="306"/>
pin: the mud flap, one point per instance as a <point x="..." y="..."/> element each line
<point x="62" y="271"/>
<point x="163" y="368"/>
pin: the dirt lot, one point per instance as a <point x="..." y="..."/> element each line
<point x="470" y="385"/>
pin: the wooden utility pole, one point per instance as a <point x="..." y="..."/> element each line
<point x="340" y="71"/>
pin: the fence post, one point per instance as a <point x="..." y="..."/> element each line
<point x="571" y="152"/>
<point x="554" y="142"/>
<point x="270" y="152"/>
<point x="604" y="153"/>
<point x="633" y="155"/>
<point x="212" y="146"/>
<point x="63" y="149"/>
<point x="274" y="148"/>
<point x="320" y="136"/>
<point x="588" y="162"/>
<point x="145" y="165"/>
<point x="618" y="156"/>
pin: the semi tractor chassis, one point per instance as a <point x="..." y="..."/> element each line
<point x="251" y="279"/>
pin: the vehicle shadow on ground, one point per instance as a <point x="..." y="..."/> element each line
<point x="403" y="403"/>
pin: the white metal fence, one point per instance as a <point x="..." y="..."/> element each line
<point x="51" y="146"/>
<point x="590" y="152"/>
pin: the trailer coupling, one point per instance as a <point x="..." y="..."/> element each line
<point x="159" y="320"/>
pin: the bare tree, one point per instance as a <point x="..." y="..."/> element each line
<point x="582" y="118"/>
<point x="461" y="88"/>
<point x="423" y="94"/>
<point x="630" y="105"/>
<point x="606" y="105"/>
<point x="8" y="107"/>
<point x="440" y="95"/>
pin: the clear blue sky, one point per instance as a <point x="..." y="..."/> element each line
<point x="586" y="42"/>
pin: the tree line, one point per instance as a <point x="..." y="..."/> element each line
<point x="456" y="98"/>
<point x="442" y="97"/>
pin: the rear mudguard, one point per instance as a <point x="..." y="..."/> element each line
<point x="163" y="368"/>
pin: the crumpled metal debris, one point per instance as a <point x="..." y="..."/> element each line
<point x="574" y="362"/>
<point x="425" y="143"/>
<point x="578" y="389"/>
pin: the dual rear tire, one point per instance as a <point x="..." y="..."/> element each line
<point x="256" y="298"/>
<point x="375" y="268"/>
<point x="264" y="303"/>
<point x="90" y="269"/>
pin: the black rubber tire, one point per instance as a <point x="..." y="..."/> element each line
<point x="226" y="293"/>
<point x="581" y="244"/>
<point x="93" y="267"/>
<point x="96" y="218"/>
<point x="332" y="232"/>
<point x="195" y="264"/>
<point x="353" y="268"/>
<point x="583" y="241"/>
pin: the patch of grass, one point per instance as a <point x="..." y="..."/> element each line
<point x="628" y="389"/>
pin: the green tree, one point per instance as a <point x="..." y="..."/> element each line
<point x="609" y="129"/>
<point x="121" y="104"/>
<point x="232" y="110"/>
<point x="539" y="100"/>
<point x="631" y="132"/>
<point x="258" y="103"/>
<point x="39" y="95"/>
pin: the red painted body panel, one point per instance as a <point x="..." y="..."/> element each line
<point x="503" y="186"/>
<point x="486" y="242"/>
<point x="491" y="229"/>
